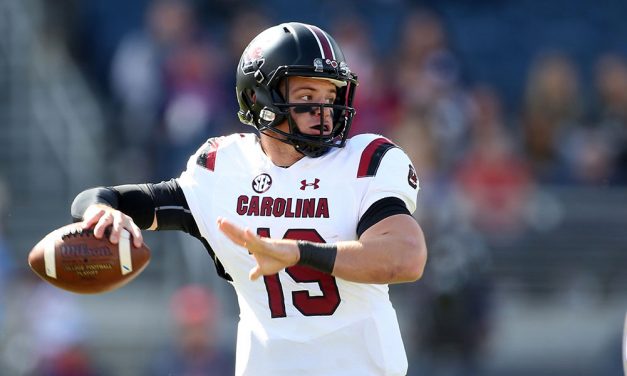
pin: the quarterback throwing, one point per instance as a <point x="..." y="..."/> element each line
<point x="308" y="225"/>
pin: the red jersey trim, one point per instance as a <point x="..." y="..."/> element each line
<point x="372" y="155"/>
<point x="207" y="157"/>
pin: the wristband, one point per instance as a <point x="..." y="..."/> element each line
<point x="320" y="256"/>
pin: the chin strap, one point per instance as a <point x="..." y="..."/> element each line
<point x="303" y="146"/>
<point x="309" y="150"/>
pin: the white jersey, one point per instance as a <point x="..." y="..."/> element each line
<point x="302" y="321"/>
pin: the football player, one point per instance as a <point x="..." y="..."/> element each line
<point x="309" y="226"/>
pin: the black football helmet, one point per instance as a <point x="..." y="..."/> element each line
<point x="294" y="49"/>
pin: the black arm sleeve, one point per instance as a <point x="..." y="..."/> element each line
<point x="386" y="207"/>
<point x="172" y="209"/>
<point x="99" y="195"/>
<point x="141" y="202"/>
<point x="136" y="201"/>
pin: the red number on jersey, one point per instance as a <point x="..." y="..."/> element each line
<point x="323" y="305"/>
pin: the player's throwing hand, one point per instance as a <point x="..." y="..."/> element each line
<point x="101" y="216"/>
<point x="272" y="255"/>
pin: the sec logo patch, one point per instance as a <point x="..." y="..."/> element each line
<point x="261" y="183"/>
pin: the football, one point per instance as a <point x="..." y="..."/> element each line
<point x="73" y="259"/>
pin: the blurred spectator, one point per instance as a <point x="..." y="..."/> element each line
<point x="414" y="135"/>
<point x="588" y="156"/>
<point x="195" y="350"/>
<point x="136" y="79"/>
<point x="166" y="79"/>
<point x="218" y="15"/>
<point x="193" y="94"/>
<point x="243" y="28"/>
<point x="552" y="104"/>
<point x="428" y="88"/>
<point x="494" y="182"/>
<point x="610" y="82"/>
<point x="375" y="104"/>
<point x="610" y="111"/>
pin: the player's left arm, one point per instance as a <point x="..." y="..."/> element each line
<point x="391" y="251"/>
<point x="391" y="246"/>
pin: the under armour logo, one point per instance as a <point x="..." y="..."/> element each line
<point x="262" y="183"/>
<point x="305" y="184"/>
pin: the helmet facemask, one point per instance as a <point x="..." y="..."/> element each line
<point x="280" y="109"/>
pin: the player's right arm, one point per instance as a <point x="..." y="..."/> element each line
<point x="160" y="206"/>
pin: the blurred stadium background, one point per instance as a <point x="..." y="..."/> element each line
<point x="514" y="112"/>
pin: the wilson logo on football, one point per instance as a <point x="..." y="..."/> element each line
<point x="262" y="183"/>
<point x="304" y="184"/>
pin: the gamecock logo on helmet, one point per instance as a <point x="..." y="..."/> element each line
<point x="252" y="59"/>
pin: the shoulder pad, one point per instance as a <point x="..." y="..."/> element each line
<point x="372" y="155"/>
<point x="207" y="154"/>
